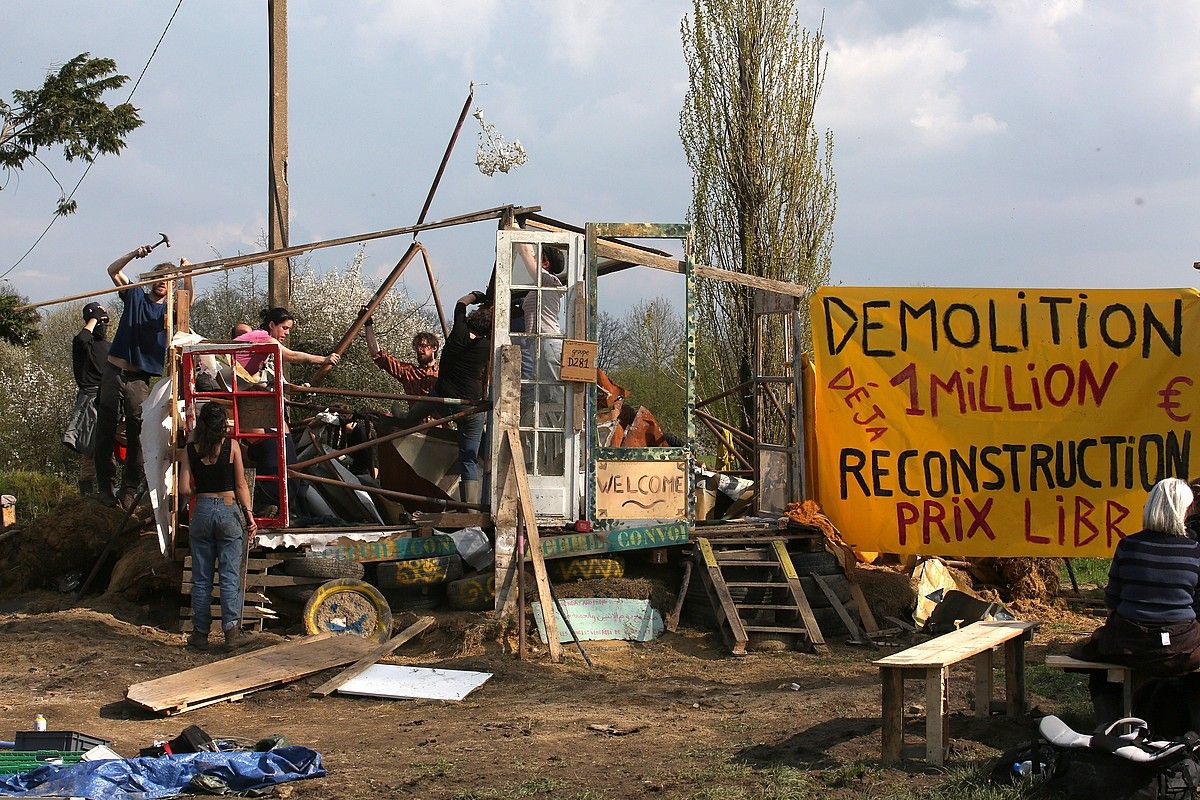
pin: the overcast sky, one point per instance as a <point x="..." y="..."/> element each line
<point x="1007" y="143"/>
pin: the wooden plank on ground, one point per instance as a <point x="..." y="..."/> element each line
<point x="248" y="672"/>
<point x="330" y="686"/>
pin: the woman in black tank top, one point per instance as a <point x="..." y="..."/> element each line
<point x="220" y="522"/>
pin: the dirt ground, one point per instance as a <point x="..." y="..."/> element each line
<point x="696" y="721"/>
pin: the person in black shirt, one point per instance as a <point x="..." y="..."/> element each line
<point x="460" y="375"/>
<point x="89" y="353"/>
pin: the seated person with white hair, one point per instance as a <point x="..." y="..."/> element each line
<point x="1153" y="597"/>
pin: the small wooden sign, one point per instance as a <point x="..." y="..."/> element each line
<point x="641" y="490"/>
<point x="578" y="361"/>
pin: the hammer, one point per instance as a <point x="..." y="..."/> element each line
<point x="164" y="240"/>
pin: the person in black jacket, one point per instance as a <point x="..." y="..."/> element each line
<point x="1153" y="598"/>
<point x="460" y="375"/>
<point x="89" y="353"/>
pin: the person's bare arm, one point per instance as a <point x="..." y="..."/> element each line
<point x="184" y="489"/>
<point x="241" y="490"/>
<point x="114" y="269"/>
<point x="372" y="342"/>
<point x="527" y="253"/>
<point x="299" y="356"/>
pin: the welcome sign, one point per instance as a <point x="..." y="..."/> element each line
<point x="1001" y="422"/>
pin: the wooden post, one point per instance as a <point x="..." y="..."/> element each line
<point x="893" y="713"/>
<point x="984" y="685"/>
<point x="1014" y="675"/>
<point x="579" y="390"/>
<point x="279" y="273"/>
<point x="936" y="722"/>
<point x="508" y="410"/>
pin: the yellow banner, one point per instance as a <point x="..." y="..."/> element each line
<point x="1000" y="422"/>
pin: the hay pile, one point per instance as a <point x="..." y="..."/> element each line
<point x="67" y="539"/>
<point x="655" y="590"/>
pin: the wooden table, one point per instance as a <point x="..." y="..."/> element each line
<point x="932" y="660"/>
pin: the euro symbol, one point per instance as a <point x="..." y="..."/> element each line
<point x="1168" y="404"/>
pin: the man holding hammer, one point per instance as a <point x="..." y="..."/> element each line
<point x="137" y="354"/>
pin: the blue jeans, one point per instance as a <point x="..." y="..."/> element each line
<point x="218" y="538"/>
<point x="470" y="435"/>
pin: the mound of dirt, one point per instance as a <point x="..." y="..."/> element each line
<point x="1034" y="579"/>
<point x="67" y="539"/>
<point x="889" y="592"/>
<point x="143" y="573"/>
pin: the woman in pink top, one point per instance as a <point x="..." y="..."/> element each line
<point x="276" y="324"/>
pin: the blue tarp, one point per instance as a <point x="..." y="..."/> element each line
<point x="166" y="776"/>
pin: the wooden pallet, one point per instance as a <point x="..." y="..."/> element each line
<point x="257" y="607"/>
<point x="784" y="598"/>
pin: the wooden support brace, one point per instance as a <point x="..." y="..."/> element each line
<point x="525" y="501"/>
<point x="837" y="606"/>
<point x="937" y="724"/>
<point x="672" y="621"/>
<point x="437" y="297"/>
<point x="892" y="732"/>
<point x="984" y="684"/>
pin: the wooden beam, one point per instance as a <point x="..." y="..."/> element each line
<point x="279" y="273"/>
<point x="508" y="409"/>
<point x="359" y="667"/>
<point x="293" y="388"/>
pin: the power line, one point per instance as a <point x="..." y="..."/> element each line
<point x="88" y="169"/>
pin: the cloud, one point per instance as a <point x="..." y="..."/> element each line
<point x="905" y="89"/>
<point x="578" y="29"/>
<point x="457" y="29"/>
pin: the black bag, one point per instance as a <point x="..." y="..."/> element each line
<point x="1121" y="762"/>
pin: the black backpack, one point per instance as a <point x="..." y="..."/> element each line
<point x="1121" y="762"/>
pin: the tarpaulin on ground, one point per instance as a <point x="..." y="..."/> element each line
<point x="1000" y="422"/>
<point x="166" y="776"/>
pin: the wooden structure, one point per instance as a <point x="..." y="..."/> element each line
<point x="932" y="660"/>
<point x="240" y="675"/>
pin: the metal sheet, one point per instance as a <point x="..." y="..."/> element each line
<point x="415" y="683"/>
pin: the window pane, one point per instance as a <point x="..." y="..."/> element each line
<point x="523" y="263"/>
<point x="552" y="411"/>
<point x="550" y="360"/>
<point x="527" y="444"/>
<point x="528" y="394"/>
<point x="551" y="458"/>
<point x="550" y="311"/>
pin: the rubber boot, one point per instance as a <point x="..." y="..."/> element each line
<point x="470" y="491"/>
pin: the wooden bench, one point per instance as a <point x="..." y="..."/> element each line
<point x="932" y="660"/>
<point x="1116" y="673"/>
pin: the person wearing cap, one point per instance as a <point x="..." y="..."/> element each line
<point x="89" y="354"/>
<point x="137" y="354"/>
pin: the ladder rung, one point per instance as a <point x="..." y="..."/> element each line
<point x="771" y="629"/>
<point x="747" y="562"/>
<point x="766" y="607"/>
<point x="756" y="584"/>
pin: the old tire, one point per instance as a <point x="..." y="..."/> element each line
<point x="475" y="593"/>
<point x="587" y="568"/>
<point x="319" y="567"/>
<point x="821" y="562"/>
<point x="351" y="607"/>
<point x="426" y="599"/>
<point x="418" y="572"/>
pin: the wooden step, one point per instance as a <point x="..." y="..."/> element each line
<point x="756" y="584"/>
<point x="747" y="562"/>
<point x="765" y="607"/>
<point x="773" y="629"/>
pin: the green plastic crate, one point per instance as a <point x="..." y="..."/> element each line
<point x="14" y="761"/>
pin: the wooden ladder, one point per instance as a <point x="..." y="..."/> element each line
<point x="783" y="596"/>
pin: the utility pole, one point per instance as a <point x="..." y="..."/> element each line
<point x="279" y="278"/>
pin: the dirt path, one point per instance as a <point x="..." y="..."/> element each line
<point x="707" y="725"/>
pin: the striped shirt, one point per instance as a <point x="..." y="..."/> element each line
<point x="1155" y="578"/>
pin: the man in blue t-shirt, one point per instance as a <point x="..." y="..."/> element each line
<point x="137" y="354"/>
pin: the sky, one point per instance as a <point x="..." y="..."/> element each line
<point x="1002" y="143"/>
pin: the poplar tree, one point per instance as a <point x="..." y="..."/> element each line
<point x="763" y="188"/>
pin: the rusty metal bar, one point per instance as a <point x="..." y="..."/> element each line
<point x="437" y="298"/>
<point x="447" y="401"/>
<point x="729" y="445"/>
<point x="390" y="436"/>
<point x="724" y="394"/>
<point x="446" y="156"/>
<point x="220" y="264"/>
<point x="386" y="492"/>
<point x="723" y="424"/>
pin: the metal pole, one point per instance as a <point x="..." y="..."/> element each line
<point x="446" y="156"/>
